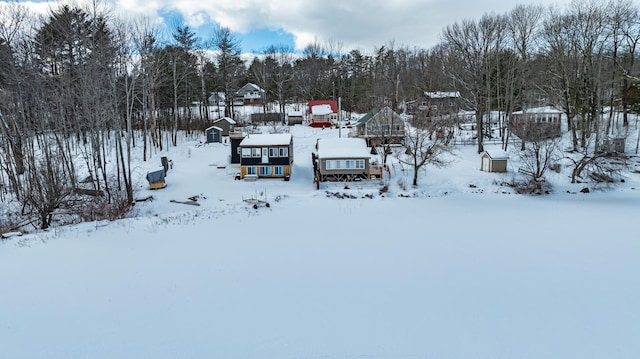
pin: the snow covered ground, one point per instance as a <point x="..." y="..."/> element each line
<point x="461" y="267"/>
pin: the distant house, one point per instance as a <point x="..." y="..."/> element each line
<point x="612" y="144"/>
<point x="536" y="123"/>
<point x="226" y="124"/>
<point x="494" y="161"/>
<point x="295" y="117"/>
<point x="214" y="134"/>
<point x="266" y="155"/>
<point x="440" y="103"/>
<point x="216" y="98"/>
<point x="341" y="159"/>
<point x="323" y="113"/>
<point x="381" y="126"/>
<point x="250" y="94"/>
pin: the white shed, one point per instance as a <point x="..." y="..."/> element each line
<point x="494" y="161"/>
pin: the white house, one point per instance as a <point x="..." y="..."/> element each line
<point x="250" y="94"/>
<point x="341" y="159"/>
<point x="536" y="123"/>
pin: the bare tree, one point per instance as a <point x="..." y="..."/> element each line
<point x="144" y="38"/>
<point x="600" y="165"/>
<point x="428" y="145"/>
<point x="623" y="28"/>
<point x="523" y="25"/>
<point x="13" y="17"/>
<point x="312" y="78"/>
<point x="13" y="43"/>
<point x="49" y="187"/>
<point x="262" y="69"/>
<point x="539" y="154"/>
<point x="128" y="71"/>
<point x="283" y="56"/>
<point x="470" y="45"/>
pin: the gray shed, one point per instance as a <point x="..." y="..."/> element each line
<point x="156" y="178"/>
<point x="214" y="134"/>
<point x="226" y="124"/>
<point x="494" y="161"/>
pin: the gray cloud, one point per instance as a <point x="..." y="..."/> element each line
<point x="360" y="24"/>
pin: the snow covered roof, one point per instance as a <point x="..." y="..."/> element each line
<point x="343" y="147"/>
<point x="266" y="139"/>
<point x="442" y="94"/>
<point x="496" y="154"/>
<point x="214" y="127"/>
<point x="332" y="103"/>
<point x="218" y="95"/>
<point x="250" y="87"/>
<point x="294" y="113"/>
<point x="321" y="110"/>
<point x="386" y="111"/>
<point x="545" y="109"/>
<point x="228" y="119"/>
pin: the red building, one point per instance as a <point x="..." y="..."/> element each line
<point x="323" y="113"/>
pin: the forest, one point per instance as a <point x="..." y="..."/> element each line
<point x="79" y="87"/>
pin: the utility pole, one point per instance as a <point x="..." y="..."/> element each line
<point x="339" y="116"/>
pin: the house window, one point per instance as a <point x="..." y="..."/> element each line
<point x="246" y="152"/>
<point x="265" y="171"/>
<point x="330" y="164"/>
<point x="284" y="152"/>
<point x="251" y="170"/>
<point x="255" y="152"/>
<point x="278" y="170"/>
<point x="344" y="164"/>
<point x="273" y="152"/>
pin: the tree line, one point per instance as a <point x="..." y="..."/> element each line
<point x="79" y="87"/>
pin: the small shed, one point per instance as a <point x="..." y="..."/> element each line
<point x="295" y="117"/>
<point x="156" y="178"/>
<point x="494" y="161"/>
<point x="214" y="134"/>
<point x="226" y="124"/>
<point x="613" y="145"/>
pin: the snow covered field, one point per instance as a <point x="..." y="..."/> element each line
<point x="463" y="268"/>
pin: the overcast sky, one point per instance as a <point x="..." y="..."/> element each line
<point x="354" y="24"/>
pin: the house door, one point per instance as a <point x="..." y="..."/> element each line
<point x="486" y="166"/>
<point x="265" y="155"/>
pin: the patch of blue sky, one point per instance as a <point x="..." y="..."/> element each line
<point x="258" y="40"/>
<point x="254" y="41"/>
